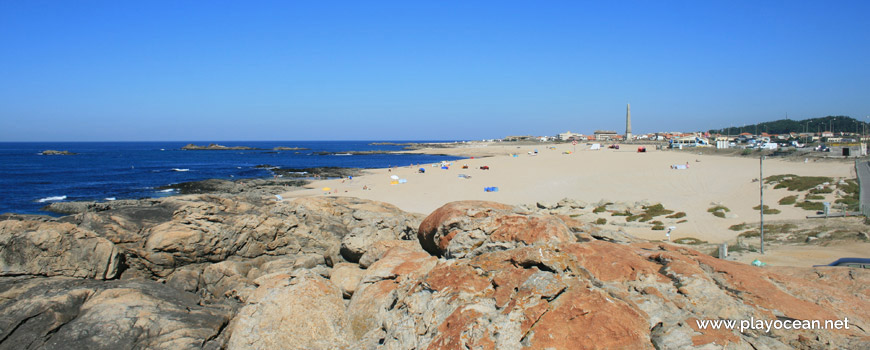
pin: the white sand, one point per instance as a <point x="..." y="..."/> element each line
<point x="615" y="175"/>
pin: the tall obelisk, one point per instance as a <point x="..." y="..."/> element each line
<point x="628" y="122"/>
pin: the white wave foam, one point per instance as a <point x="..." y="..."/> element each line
<point x="167" y="190"/>
<point x="109" y="198"/>
<point x="177" y="169"/>
<point x="51" y="199"/>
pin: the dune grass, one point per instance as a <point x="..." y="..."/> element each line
<point x="767" y="210"/>
<point x="813" y="206"/>
<point x="789" y="200"/>
<point x="738" y="227"/>
<point x="689" y="240"/>
<point x="793" y="182"/>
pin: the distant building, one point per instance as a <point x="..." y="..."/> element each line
<point x="568" y="135"/>
<point x="519" y="138"/>
<point x="604" y="135"/>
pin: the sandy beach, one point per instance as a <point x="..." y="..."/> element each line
<point x="595" y="176"/>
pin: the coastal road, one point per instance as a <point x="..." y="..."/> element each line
<point x="863" y="171"/>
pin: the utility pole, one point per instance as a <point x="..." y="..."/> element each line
<point x="761" y="196"/>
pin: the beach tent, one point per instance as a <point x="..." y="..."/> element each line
<point x="595" y="146"/>
<point x="394" y="177"/>
<point x="326" y="189"/>
<point x="278" y="197"/>
<point x="403" y="181"/>
<point x="422" y="170"/>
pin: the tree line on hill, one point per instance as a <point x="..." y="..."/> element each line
<point x="836" y="124"/>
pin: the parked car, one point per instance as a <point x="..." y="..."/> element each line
<point x="613" y="146"/>
<point x="822" y="148"/>
<point x="850" y="262"/>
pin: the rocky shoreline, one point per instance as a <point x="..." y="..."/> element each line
<point x="317" y="172"/>
<point x="284" y="179"/>
<point x="237" y="271"/>
<point x="217" y="147"/>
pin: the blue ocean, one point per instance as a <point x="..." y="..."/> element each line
<point x="130" y="170"/>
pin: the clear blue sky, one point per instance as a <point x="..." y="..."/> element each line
<point x="364" y="70"/>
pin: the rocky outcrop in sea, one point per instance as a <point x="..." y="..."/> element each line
<point x="229" y="271"/>
<point x="51" y="152"/>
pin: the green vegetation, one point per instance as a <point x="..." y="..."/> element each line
<point x="851" y="198"/>
<point x="682" y="221"/>
<point x="625" y="213"/>
<point x="676" y="215"/>
<point x="770" y="231"/>
<point x="657" y="210"/>
<point x="649" y="213"/>
<point x="658" y="227"/>
<point x="788" y="200"/>
<point x="784" y="228"/>
<point x="750" y="234"/>
<point x="689" y="240"/>
<point x="738" y="227"/>
<point x="852" y="204"/>
<point x="599" y="209"/>
<point x="718" y="208"/>
<point x="601" y="221"/>
<point x="785" y="126"/>
<point x="814" y="197"/>
<point x="851" y="186"/>
<point x="796" y="183"/>
<point x="767" y="210"/>
<point x="814" y="206"/>
<point x="718" y="211"/>
<point x="822" y="190"/>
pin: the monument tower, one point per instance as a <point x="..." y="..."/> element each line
<point x="628" y="122"/>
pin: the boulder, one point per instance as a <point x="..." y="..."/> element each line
<point x="602" y="295"/>
<point x="213" y="228"/>
<point x="305" y="312"/>
<point x="469" y="228"/>
<point x="55" y="249"/>
<point x="346" y="276"/>
<point x="66" y="313"/>
<point x="374" y="296"/>
<point x="378" y="249"/>
<point x="546" y="205"/>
